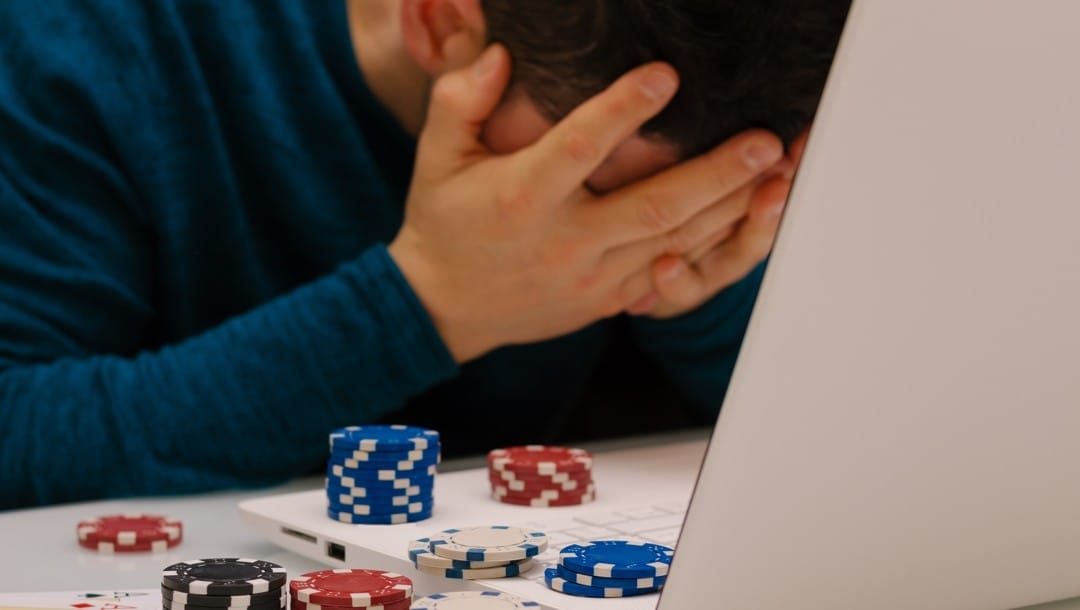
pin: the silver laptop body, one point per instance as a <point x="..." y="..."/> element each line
<point x="903" y="426"/>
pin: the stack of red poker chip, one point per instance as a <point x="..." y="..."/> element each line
<point x="541" y="475"/>
<point x="129" y="533"/>
<point x="350" y="589"/>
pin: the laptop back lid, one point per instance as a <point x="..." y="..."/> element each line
<point x="903" y="426"/>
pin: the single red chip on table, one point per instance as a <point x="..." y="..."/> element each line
<point x="130" y="530"/>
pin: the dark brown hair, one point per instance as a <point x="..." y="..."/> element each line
<point x="741" y="63"/>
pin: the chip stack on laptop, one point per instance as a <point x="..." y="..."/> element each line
<point x="351" y="589"/>
<point x="540" y="475"/>
<point x="490" y="551"/>
<point x="610" y="568"/>
<point x="381" y="474"/>
<point x="220" y="583"/>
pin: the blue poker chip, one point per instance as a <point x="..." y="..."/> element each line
<point x="377" y="491"/>
<point x="384" y="464"/>
<point x="616" y="583"/>
<point x="382" y="519"/>
<point x="379" y="438"/>
<point x="617" y="559"/>
<point x="418" y="506"/>
<point x="557" y="583"/>
<point x="414" y="455"/>
<point x="421" y="473"/>
<point x="345" y="498"/>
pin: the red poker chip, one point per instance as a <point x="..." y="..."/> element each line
<point x="142" y="547"/>
<point x="544" y="502"/>
<point x="129" y="530"/>
<point x="296" y="604"/>
<point x="351" y="588"/>
<point x="558" y="477"/>
<point x="528" y="486"/>
<point x="540" y="459"/>
<point x="550" y="494"/>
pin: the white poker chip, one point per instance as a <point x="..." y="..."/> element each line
<point x="514" y="568"/>
<point x="421" y="555"/>
<point x="472" y="600"/>
<point x="488" y="543"/>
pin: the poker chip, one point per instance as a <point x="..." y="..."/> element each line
<point x="270" y="599"/>
<point x="346" y="500"/>
<point x="130" y="529"/>
<point x="488" y="543"/>
<point x="223" y="576"/>
<point x="617" y="559"/>
<point x="415" y="455"/>
<point x="381" y="475"/>
<point x="378" y="438"/>
<point x="129" y="533"/>
<point x="351" y="588"/>
<point x="598" y="581"/>
<point x="103" y="547"/>
<point x="532" y="486"/>
<point x="541" y="502"/>
<point x="378" y="519"/>
<point x="473" y="600"/>
<point x="421" y="555"/>
<point x="553" y="580"/>
<point x="362" y="510"/>
<point x="419" y="475"/>
<point x="401" y="605"/>
<point x="513" y="568"/>
<point x="541" y="476"/>
<point x="280" y="602"/>
<point x="558" y="477"/>
<point x="540" y="459"/>
<point x="377" y="489"/>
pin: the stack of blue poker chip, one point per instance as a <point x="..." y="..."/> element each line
<point x="381" y="474"/>
<point x="610" y="568"/>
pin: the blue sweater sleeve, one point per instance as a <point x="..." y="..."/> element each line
<point x="698" y="350"/>
<point x="246" y="403"/>
<point x="85" y="414"/>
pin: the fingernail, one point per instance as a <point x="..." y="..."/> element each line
<point x="487" y="62"/>
<point x="658" y="84"/>
<point x="759" y="156"/>
<point x="643" y="305"/>
<point x="672" y="271"/>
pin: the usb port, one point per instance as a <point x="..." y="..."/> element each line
<point x="298" y="534"/>
<point x="335" y="550"/>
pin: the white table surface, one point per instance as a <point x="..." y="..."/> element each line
<point x="39" y="552"/>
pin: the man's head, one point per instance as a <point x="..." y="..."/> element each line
<point x="742" y="64"/>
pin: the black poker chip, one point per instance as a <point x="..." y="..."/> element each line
<point x="223" y="576"/>
<point x="271" y="600"/>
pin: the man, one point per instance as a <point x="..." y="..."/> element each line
<point x="195" y="198"/>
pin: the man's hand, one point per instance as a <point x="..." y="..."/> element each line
<point x="512" y="249"/>
<point x="730" y="239"/>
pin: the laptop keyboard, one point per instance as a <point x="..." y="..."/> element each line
<point x="659" y="523"/>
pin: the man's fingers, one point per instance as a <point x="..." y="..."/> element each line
<point x="730" y="261"/>
<point x="723" y="214"/>
<point x="664" y="202"/>
<point x="798" y="147"/>
<point x="570" y="151"/>
<point x="678" y="283"/>
<point x="461" y="103"/>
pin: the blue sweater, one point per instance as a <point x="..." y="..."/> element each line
<point x="195" y="198"/>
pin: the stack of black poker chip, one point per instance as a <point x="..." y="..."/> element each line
<point x="219" y="583"/>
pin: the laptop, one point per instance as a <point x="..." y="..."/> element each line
<point x="903" y="425"/>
